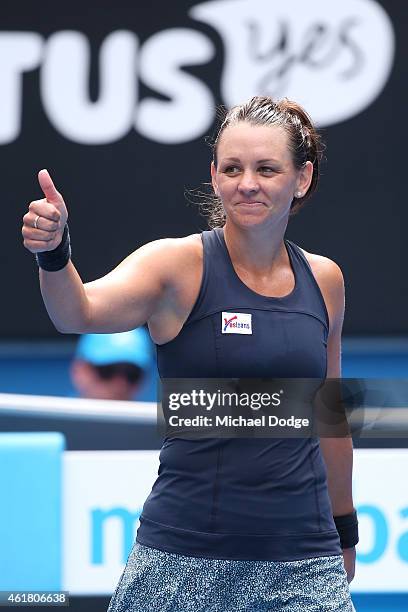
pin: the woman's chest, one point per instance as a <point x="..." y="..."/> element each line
<point x="247" y="343"/>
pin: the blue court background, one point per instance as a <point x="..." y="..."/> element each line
<point x="42" y="368"/>
<point x="39" y="368"/>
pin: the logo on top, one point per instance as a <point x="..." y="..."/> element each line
<point x="236" y="323"/>
<point x="332" y="57"/>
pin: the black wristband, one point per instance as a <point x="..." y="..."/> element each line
<point x="55" y="260"/>
<point x="347" y="528"/>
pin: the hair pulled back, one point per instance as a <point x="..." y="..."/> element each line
<point x="304" y="142"/>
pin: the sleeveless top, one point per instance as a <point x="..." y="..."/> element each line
<point x="244" y="498"/>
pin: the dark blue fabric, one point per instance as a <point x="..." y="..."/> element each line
<point x="289" y="334"/>
<point x="244" y="498"/>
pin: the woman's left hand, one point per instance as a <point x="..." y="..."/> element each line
<point x="349" y="559"/>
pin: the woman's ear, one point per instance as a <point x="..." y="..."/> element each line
<point x="305" y="178"/>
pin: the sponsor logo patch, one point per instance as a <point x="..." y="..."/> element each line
<point x="236" y="323"/>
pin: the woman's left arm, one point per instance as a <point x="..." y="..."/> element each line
<point x="337" y="452"/>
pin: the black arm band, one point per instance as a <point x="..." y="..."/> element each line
<point x="347" y="527"/>
<point x="55" y="260"/>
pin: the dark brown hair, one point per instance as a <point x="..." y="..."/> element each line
<point x="304" y="142"/>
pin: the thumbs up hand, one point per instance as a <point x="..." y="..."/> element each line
<point x="43" y="224"/>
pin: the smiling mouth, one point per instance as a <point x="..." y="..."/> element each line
<point x="250" y="204"/>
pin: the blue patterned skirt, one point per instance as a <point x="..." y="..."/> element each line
<point x="157" y="581"/>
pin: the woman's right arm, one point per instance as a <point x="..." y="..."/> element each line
<point x="123" y="299"/>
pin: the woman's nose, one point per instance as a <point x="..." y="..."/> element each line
<point x="248" y="183"/>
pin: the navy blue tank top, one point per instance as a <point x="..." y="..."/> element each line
<point x="244" y="498"/>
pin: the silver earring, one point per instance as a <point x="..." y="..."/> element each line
<point x="298" y="194"/>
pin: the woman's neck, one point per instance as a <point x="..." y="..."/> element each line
<point x="257" y="250"/>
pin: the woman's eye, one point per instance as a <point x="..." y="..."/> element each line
<point x="236" y="169"/>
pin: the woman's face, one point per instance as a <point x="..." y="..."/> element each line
<point x="255" y="176"/>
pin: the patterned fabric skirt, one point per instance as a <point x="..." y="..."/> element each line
<point x="157" y="581"/>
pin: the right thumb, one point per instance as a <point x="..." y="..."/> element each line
<point x="48" y="187"/>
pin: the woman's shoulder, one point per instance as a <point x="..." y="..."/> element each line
<point x="330" y="279"/>
<point x="324" y="269"/>
<point x="174" y="248"/>
<point x="172" y="259"/>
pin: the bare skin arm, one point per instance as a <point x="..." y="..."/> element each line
<point x="148" y="286"/>
<point x="337" y="452"/>
<point x="122" y="300"/>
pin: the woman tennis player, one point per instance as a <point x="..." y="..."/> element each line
<point x="231" y="524"/>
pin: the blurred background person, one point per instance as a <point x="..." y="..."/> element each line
<point x="112" y="366"/>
